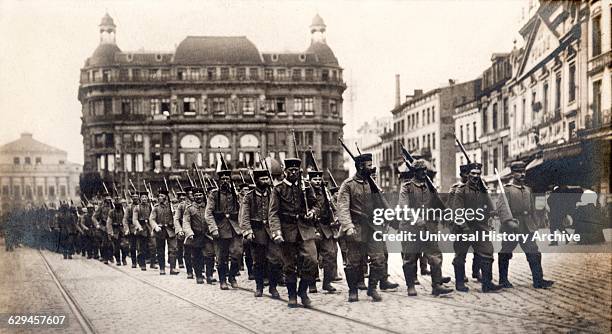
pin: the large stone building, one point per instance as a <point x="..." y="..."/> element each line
<point x="148" y="115"/>
<point x="424" y="124"/>
<point x="32" y="172"/>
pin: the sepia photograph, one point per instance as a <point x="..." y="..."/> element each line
<point x="342" y="166"/>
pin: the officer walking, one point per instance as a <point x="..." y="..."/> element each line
<point x="114" y="228"/>
<point x="291" y="216"/>
<point x="129" y="228"/>
<point x="140" y="218"/>
<point x="197" y="237"/>
<point x="516" y="217"/>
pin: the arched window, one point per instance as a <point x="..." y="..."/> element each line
<point x="249" y="140"/>
<point x="190" y="141"/>
<point x="189" y="151"/>
<point x="219" y="141"/>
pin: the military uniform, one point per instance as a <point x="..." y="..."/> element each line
<point x="198" y="240"/>
<point x="254" y="219"/>
<point x="326" y="245"/>
<point x="183" y="255"/>
<point x="161" y="216"/>
<point x="521" y="206"/>
<point x="101" y="235"/>
<point x="470" y="196"/>
<point x="140" y="218"/>
<point x="416" y="194"/>
<point x="67" y="224"/>
<point x="129" y="229"/>
<point x="114" y="228"/>
<point x="88" y="227"/>
<point x="355" y="208"/>
<point x="222" y="217"/>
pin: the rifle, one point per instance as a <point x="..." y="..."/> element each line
<point x="197" y="170"/>
<point x="326" y="194"/>
<point x="481" y="183"/>
<point x="168" y="190"/>
<point x="376" y="191"/>
<point x="264" y="164"/>
<point x="232" y="185"/>
<point x="189" y="177"/>
<point x="108" y="194"/>
<point x="132" y="184"/>
<point x="331" y="177"/>
<point x="302" y="184"/>
<point x="180" y="185"/>
<point x="242" y="177"/>
<point x="504" y="197"/>
<point x="149" y="194"/>
<point x="409" y="160"/>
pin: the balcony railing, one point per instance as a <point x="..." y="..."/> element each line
<point x="599" y="62"/>
<point x="220" y="78"/>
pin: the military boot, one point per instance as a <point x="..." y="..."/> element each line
<point x="312" y="287"/>
<point x="233" y="283"/>
<point x="535" y="264"/>
<point x="385" y="284"/>
<point x="162" y="271"/>
<point x="486" y="267"/>
<point x="503" y="264"/>
<point x="124" y="261"/>
<point x="460" y="277"/>
<point x="222" y="277"/>
<point x="361" y="283"/>
<point x="327" y="279"/>
<point x="303" y="293"/>
<point x="351" y="280"/>
<point x="372" y="292"/>
<point x="410" y="277"/>
<point x="436" y="281"/>
<point x="274" y="274"/>
<point x="259" y="286"/>
<point x="291" y="291"/>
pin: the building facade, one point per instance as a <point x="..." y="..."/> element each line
<point x="467" y="129"/>
<point x="34" y="173"/>
<point x="148" y="115"/>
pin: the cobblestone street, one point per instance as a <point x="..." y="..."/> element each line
<point x="124" y="300"/>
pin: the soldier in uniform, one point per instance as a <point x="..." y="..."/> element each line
<point x="517" y="218"/>
<point x="255" y="227"/>
<point x="183" y="251"/>
<point x="355" y="208"/>
<point x="114" y="228"/>
<point x="140" y="218"/>
<point x="197" y="237"/>
<point x="326" y="244"/>
<point x="87" y="225"/>
<point x="471" y="195"/>
<point x="416" y="194"/>
<point x="222" y="208"/>
<point x="161" y="222"/>
<point x="129" y="228"/>
<point x="292" y="214"/>
<point x="67" y="224"/>
<point x="101" y="235"/>
<point x="246" y="244"/>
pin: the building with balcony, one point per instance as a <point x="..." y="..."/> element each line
<point x="467" y="129"/>
<point x="154" y="114"/>
<point x="35" y="173"/>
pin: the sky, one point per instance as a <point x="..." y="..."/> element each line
<point x="45" y="43"/>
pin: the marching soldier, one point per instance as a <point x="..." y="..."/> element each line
<point x="197" y="237"/>
<point x="516" y="217"/>
<point x="255" y="227"/>
<point x="326" y="244"/>
<point x="291" y="216"/>
<point x="101" y="235"/>
<point x="129" y="228"/>
<point x="222" y="208"/>
<point x="88" y="227"/>
<point x="140" y="218"/>
<point x="67" y="224"/>
<point x="355" y="208"/>
<point x="246" y="244"/>
<point x="114" y="228"/>
<point x="183" y="251"/>
<point x="416" y="194"/>
<point x="161" y="222"/>
<point x="463" y="173"/>
<point x="471" y="195"/>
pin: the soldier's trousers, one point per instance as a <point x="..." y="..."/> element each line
<point x="328" y="253"/>
<point x="269" y="254"/>
<point x="202" y="254"/>
<point x="300" y="259"/>
<point x="230" y="250"/>
<point x="67" y="243"/>
<point x="248" y="256"/>
<point x="410" y="255"/>
<point x="161" y="238"/>
<point x="106" y="247"/>
<point x="483" y="249"/>
<point x="142" y="247"/>
<point x="120" y="247"/>
<point x="354" y="267"/>
<point x="180" y="250"/>
<point x="132" y="247"/>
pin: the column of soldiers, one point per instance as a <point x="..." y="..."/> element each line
<point x="291" y="229"/>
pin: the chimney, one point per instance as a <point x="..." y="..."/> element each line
<point x="26" y="135"/>
<point x="397" y="91"/>
<point x="418" y="92"/>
